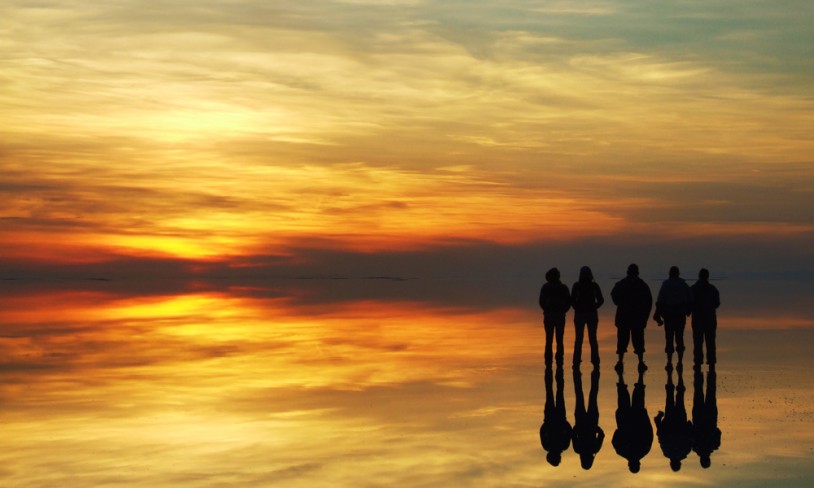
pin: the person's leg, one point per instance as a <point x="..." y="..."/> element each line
<point x="592" y="326"/>
<point x="679" y="338"/>
<point x="579" y="332"/>
<point x="622" y="340"/>
<point x="710" y="340"/>
<point x="549" y="336"/>
<point x="560" y="331"/>
<point x="669" y="335"/>
<point x="697" y="343"/>
<point x="638" y="344"/>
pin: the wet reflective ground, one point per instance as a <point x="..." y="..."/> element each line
<point x="241" y="388"/>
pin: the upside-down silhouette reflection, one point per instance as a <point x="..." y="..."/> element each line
<point x="634" y="434"/>
<point x="674" y="431"/>
<point x="555" y="433"/>
<point x="706" y="434"/>
<point x="587" y="435"/>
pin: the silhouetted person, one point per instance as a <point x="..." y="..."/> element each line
<point x="633" y="303"/>
<point x="587" y="435"/>
<point x="586" y="298"/>
<point x="555" y="300"/>
<point x="705" y="300"/>
<point x="706" y="434"/>
<point x="673" y="305"/>
<point x="555" y="433"/>
<point x="672" y="427"/>
<point x="634" y="433"/>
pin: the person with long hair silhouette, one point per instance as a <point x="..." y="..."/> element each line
<point x="633" y="303"/>
<point x="555" y="300"/>
<point x="705" y="302"/>
<point x="673" y="305"/>
<point x="674" y="431"/>
<point x="587" y="435"/>
<point x="706" y="434"/>
<point x="586" y="298"/>
<point x="555" y="432"/>
<point x="633" y="437"/>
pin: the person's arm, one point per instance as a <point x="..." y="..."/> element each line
<point x="599" y="298"/>
<point x="542" y="298"/>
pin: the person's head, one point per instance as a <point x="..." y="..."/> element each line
<point x="675" y="464"/>
<point x="585" y="274"/>
<point x="633" y="270"/>
<point x="552" y="275"/>
<point x="706" y="462"/>
<point x="703" y="275"/>
<point x="634" y="466"/>
<point x="553" y="458"/>
<point x="674" y="273"/>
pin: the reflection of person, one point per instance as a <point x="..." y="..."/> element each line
<point x="555" y="433"/>
<point x="586" y="298"/>
<point x="673" y="305"/>
<point x="706" y="434"/>
<point x="633" y="303"/>
<point x="555" y="302"/>
<point x="672" y="427"/>
<point x="634" y="433"/>
<point x="587" y="435"/>
<point x="705" y="300"/>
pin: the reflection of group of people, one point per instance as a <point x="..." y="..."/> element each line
<point x="675" y="302"/>
<point x="677" y="435"/>
<point x="633" y="438"/>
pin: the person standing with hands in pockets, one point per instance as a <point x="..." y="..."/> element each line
<point x="555" y="302"/>
<point x="673" y="305"/>
<point x="586" y="298"/>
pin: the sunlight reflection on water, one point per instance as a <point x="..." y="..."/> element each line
<point x="215" y="389"/>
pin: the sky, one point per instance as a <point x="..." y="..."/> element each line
<point x="276" y="240"/>
<point x="405" y="138"/>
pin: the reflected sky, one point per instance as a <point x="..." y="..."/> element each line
<point x="218" y="389"/>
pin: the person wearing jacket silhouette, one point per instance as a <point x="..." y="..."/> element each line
<point x="673" y="305"/>
<point x="586" y="298"/>
<point x="633" y="437"/>
<point x="555" y="301"/>
<point x="674" y="431"/>
<point x="555" y="432"/>
<point x="705" y="302"/>
<point x="587" y="436"/>
<point x="633" y="301"/>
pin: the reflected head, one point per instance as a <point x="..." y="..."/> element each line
<point x="634" y="466"/>
<point x="675" y="464"/>
<point x="553" y="458"/>
<point x="633" y="270"/>
<point x="674" y="272"/>
<point x="706" y="462"/>
<point x="586" y="461"/>
<point x="552" y="275"/>
<point x="703" y="275"/>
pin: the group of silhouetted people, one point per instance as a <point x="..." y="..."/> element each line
<point x="633" y="438"/>
<point x="675" y="302"/>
